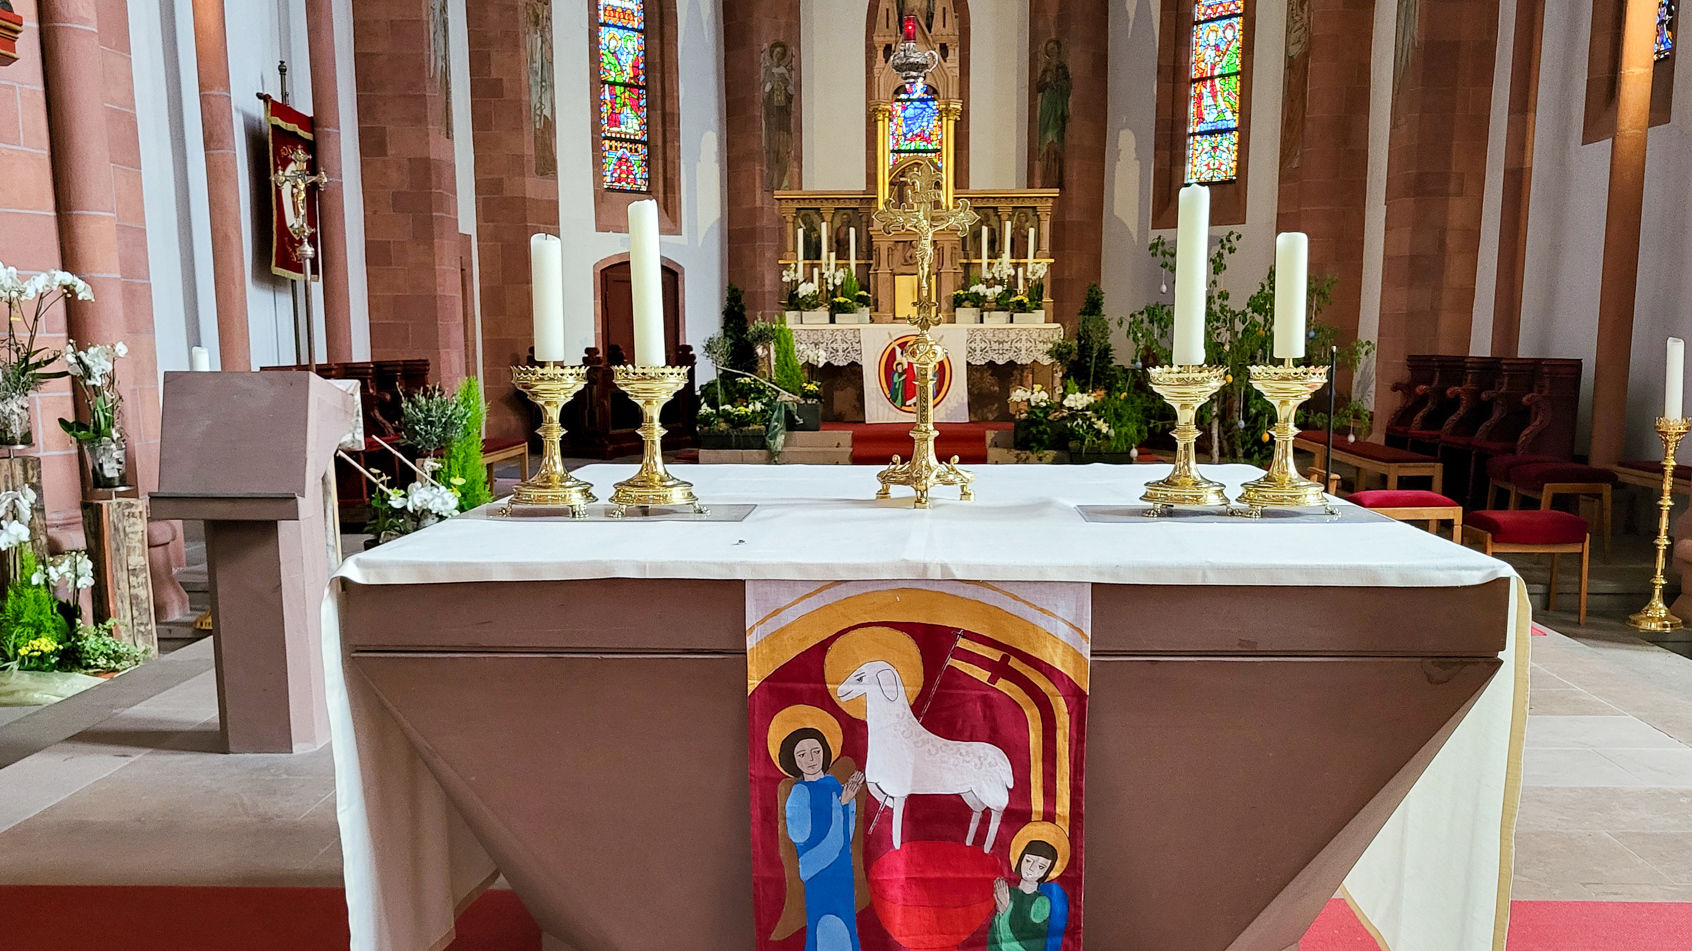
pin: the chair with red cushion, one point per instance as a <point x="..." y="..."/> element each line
<point x="1498" y="470"/>
<point x="1413" y="505"/>
<point x="1547" y="480"/>
<point x="1542" y="531"/>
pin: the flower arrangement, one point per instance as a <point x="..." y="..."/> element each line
<point x="842" y="305"/>
<point x="41" y="627"/>
<point x="1081" y="420"/>
<point x="94" y="370"/>
<point x="1019" y="304"/>
<point x="23" y="365"/>
<point x="1037" y="271"/>
<point x="395" y="512"/>
<point x="971" y="296"/>
<point x="806" y="297"/>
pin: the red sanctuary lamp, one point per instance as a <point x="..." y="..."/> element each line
<point x="910" y="27"/>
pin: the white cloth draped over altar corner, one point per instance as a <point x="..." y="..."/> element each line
<point x="842" y="344"/>
<point x="1437" y="877"/>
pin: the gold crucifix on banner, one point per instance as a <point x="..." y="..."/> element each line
<point x="924" y="213"/>
<point x="295" y="183"/>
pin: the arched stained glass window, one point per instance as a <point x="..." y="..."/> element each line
<point x="1665" y="28"/>
<point x="915" y="127"/>
<point x="1213" y="111"/>
<point x="624" y="147"/>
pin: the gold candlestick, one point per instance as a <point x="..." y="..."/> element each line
<point x="1282" y="487"/>
<point x="1185" y="388"/>
<point x="550" y="386"/>
<point x="1655" y="616"/>
<point x="651" y="387"/>
<point x="927" y="210"/>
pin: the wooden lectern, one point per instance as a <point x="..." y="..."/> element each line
<point x="250" y="455"/>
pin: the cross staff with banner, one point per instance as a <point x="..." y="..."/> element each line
<point x="293" y="174"/>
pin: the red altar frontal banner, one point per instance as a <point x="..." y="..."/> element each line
<point x="292" y="150"/>
<point x="916" y="763"/>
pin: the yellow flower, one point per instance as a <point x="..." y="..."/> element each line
<point x="41" y="646"/>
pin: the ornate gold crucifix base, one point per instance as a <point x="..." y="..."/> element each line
<point x="923" y="214"/>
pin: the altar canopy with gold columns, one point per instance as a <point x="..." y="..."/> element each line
<point x="1273" y="704"/>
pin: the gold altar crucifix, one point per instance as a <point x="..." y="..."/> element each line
<point x="295" y="183"/>
<point x="923" y="214"/>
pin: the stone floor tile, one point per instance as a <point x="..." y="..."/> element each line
<point x="1575" y="767"/>
<point x="1596" y="733"/>
<point x="1654" y="767"/>
<point x="1569" y="702"/>
<point x="1562" y="859"/>
<point x="1603" y="809"/>
<point x="1668" y="852"/>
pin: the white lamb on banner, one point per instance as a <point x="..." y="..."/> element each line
<point x="906" y="760"/>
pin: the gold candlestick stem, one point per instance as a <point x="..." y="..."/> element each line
<point x="550" y="386"/>
<point x="1186" y="388"/>
<point x="1282" y="487"/>
<point x="925" y="470"/>
<point x="651" y="387"/>
<point x="1655" y="617"/>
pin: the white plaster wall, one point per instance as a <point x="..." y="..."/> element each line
<point x="1130" y="278"/>
<point x="831" y="90"/>
<point x="1567" y="212"/>
<point x="999" y="65"/>
<point x="699" y="249"/>
<point x="464" y="159"/>
<point x="1382" y="44"/>
<point x="352" y="180"/>
<point x="173" y="180"/>
<point x="1486" y="261"/>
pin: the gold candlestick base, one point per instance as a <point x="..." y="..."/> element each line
<point x="1655" y="617"/>
<point x="925" y="470"/>
<point x="1185" y="388"/>
<point x="651" y="387"/>
<point x="550" y="386"/>
<point x="1282" y="487"/>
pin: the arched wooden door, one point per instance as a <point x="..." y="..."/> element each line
<point x="616" y="312"/>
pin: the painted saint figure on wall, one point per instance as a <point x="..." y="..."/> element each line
<point x="1053" y="86"/>
<point x="1032" y="912"/>
<point x="777" y="94"/>
<point x="820" y="815"/>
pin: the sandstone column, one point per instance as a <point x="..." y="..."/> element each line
<point x="331" y="202"/>
<point x="755" y="237"/>
<point x="1621" y="233"/>
<point x="223" y="185"/>
<point x="1518" y="179"/>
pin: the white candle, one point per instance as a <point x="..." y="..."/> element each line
<point x="1674" y="382"/>
<point x="1031" y="247"/>
<point x="983" y="250"/>
<point x="199" y="360"/>
<point x="1192" y="253"/>
<point x="1005" y="251"/>
<point x="646" y="285"/>
<point x="1021" y="285"/>
<point x="1292" y="281"/>
<point x="852" y="248"/>
<point x="816" y="278"/>
<point x="799" y="251"/>
<point x="546" y="272"/>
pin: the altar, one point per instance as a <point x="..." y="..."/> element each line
<point x="1278" y="706"/>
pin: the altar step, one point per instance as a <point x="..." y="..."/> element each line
<point x="826" y="448"/>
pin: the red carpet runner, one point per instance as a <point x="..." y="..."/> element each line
<point x="875" y="444"/>
<point x="142" y="918"/>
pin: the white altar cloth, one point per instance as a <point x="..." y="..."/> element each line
<point x="1437" y="877"/>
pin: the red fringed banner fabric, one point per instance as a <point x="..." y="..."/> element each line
<point x="292" y="149"/>
<point x="916" y="758"/>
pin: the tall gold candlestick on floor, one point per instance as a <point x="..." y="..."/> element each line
<point x="1282" y="487"/>
<point x="1655" y="617"/>
<point x="550" y="386"/>
<point x="651" y="387"/>
<point x="1186" y="388"/>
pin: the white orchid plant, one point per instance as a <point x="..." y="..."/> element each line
<point x="23" y="365"/>
<point x="95" y="371"/>
<point x="16" y="508"/>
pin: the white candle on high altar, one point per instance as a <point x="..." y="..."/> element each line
<point x="852" y="248"/>
<point x="1674" y="383"/>
<point x="546" y="274"/>
<point x="799" y="252"/>
<point x="1292" y="281"/>
<point x="1031" y="247"/>
<point x="199" y="359"/>
<point x="1192" y="251"/>
<point x="983" y="251"/>
<point x="646" y="284"/>
<point x="1021" y="284"/>
<point x="1006" y="250"/>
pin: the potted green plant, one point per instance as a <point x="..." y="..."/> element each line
<point x="1039" y="433"/>
<point x="791" y="277"/>
<point x="431" y="420"/>
<point x="1037" y="271"/>
<point x="23" y="365"/>
<point x="812" y="308"/>
<point x="101" y="438"/>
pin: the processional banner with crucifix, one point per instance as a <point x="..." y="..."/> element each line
<point x="916" y="760"/>
<point x="293" y="158"/>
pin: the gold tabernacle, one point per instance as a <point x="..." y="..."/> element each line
<point x="651" y="387"/>
<point x="925" y="213"/>
<point x="1655" y="616"/>
<point x="1185" y="388"/>
<point x="1282" y="487"/>
<point x="550" y="386"/>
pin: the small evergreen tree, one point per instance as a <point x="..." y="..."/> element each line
<point x="1090" y="360"/>
<point x="788" y="373"/>
<point x="463" y="458"/>
<point x="742" y="355"/>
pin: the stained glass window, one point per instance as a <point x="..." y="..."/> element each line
<point x="1665" y="28"/>
<point x="915" y="127"/>
<point x="624" y="150"/>
<point x="1213" y="111"/>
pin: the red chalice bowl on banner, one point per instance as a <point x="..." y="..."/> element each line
<point x="930" y="896"/>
